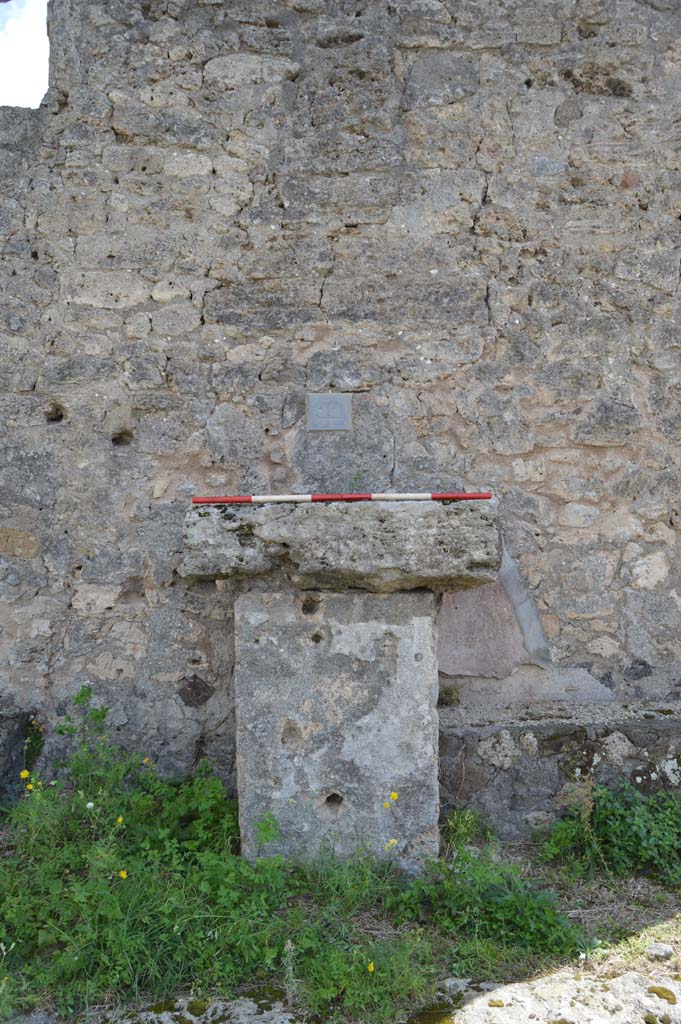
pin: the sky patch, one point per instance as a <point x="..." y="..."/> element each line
<point x="24" y="53"/>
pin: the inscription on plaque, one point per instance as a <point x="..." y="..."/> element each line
<point x="329" y="412"/>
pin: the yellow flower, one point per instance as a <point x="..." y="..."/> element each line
<point x="393" y="795"/>
<point x="370" y="967"/>
<point x="389" y="845"/>
<point x="386" y="803"/>
<point x="24" y="774"/>
<point x="145" y="760"/>
<point x="123" y="874"/>
<point x="119" y="820"/>
<point x="29" y="787"/>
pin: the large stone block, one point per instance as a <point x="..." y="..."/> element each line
<point x="335" y="704"/>
<point x="478" y="634"/>
<point x="104" y="289"/>
<point x="378" y="546"/>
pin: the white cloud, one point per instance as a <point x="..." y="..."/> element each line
<point x="24" y="53"/>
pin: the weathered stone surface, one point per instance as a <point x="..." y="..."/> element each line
<point x="560" y="997"/>
<point x="183" y="1009"/>
<point x="38" y="1017"/>
<point x="528" y="684"/>
<point x="439" y="78"/>
<point x="522" y="767"/>
<point x="564" y="996"/>
<point x="335" y="706"/>
<point x="18" y="543"/>
<point x="478" y="634"/>
<point x="378" y="546"/>
<point x="570" y="998"/>
<point x="463" y="214"/>
<point x="110" y="290"/>
<point x="241" y="69"/>
<point x="524" y="610"/>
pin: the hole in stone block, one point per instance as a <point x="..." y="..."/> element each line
<point x="24" y="53"/>
<point x="54" y="413"/>
<point x="292" y="735"/>
<point x="317" y="637"/>
<point x="311" y="605"/>
<point x="332" y="804"/>
<point x="122" y="438"/>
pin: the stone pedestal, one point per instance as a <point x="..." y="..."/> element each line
<point x="336" y="709"/>
<point x="336" y="688"/>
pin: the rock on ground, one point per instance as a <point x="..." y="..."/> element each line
<point x="576" y="999"/>
<point x="562" y="998"/>
<point x="217" y="1011"/>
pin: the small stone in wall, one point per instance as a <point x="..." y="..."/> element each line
<point x="167" y="290"/>
<point x="499" y="750"/>
<point x="650" y="571"/>
<point x="195" y="691"/>
<point x="617" y="748"/>
<point x="93" y="599"/>
<point x="437" y="79"/>
<point x="18" y="543"/>
<point x="238" y="70"/>
<point x="529" y="470"/>
<point x="672" y="770"/>
<point x="104" y="289"/>
<point x="160" y="487"/>
<point x="577" y="516"/>
<point x="188" y="165"/>
<point x="604" y="647"/>
<point x="528" y="743"/>
<point x="630" y="179"/>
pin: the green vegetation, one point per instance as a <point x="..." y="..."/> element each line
<point x="463" y="828"/>
<point x="33" y="744"/>
<point x="120" y="887"/>
<point x="624" y="832"/>
<point x="477" y="895"/>
<point x="449" y="696"/>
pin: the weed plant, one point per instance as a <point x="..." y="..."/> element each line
<point x="623" y="832"/>
<point x="119" y="887"/>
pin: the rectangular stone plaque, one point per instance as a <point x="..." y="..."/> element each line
<point x="329" y="412"/>
<point x="336" y="710"/>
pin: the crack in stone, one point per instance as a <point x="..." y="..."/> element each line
<point x="325" y="277"/>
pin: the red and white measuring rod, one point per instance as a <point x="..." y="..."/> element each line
<point x="262" y="499"/>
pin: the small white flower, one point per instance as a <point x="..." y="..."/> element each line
<point x="582" y="956"/>
<point x="89" y="805"/>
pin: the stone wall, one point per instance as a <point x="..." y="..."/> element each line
<point x="464" y="213"/>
